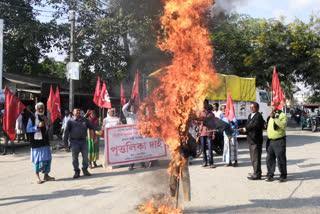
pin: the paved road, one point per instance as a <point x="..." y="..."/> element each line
<point x="220" y="190"/>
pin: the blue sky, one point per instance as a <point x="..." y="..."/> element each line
<point x="275" y="8"/>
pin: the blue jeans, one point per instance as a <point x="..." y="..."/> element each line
<point x="77" y="147"/>
<point x="206" y="140"/>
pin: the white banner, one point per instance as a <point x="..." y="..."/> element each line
<point x="123" y="145"/>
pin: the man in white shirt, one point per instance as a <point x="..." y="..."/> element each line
<point x="217" y="113"/>
<point x="131" y="116"/>
<point x="65" y="120"/>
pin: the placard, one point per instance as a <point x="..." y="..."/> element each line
<point x="124" y="145"/>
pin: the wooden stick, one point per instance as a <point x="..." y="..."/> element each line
<point x="177" y="193"/>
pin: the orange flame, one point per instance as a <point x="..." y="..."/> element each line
<point x="166" y="111"/>
<point x="160" y="207"/>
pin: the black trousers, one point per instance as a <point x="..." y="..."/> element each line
<point x="255" y="156"/>
<point x="276" y="149"/>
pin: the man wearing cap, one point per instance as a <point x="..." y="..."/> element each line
<point x="276" y="146"/>
<point x="77" y="130"/>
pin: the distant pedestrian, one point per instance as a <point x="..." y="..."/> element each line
<point x="76" y="129"/>
<point x="37" y="129"/>
<point x="230" y="148"/>
<point x="217" y="113"/>
<point x="254" y="130"/>
<point x="20" y="128"/>
<point x="276" y="146"/>
<point x="206" y="136"/>
<point x="66" y="118"/>
<point x="93" y="140"/>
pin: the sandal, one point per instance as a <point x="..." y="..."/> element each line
<point x="204" y="165"/>
<point x="39" y="182"/>
<point x="212" y="166"/>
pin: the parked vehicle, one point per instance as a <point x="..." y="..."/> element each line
<point x="310" y="117"/>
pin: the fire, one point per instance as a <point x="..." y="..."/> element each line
<point x="167" y="109"/>
<point x="160" y="207"/>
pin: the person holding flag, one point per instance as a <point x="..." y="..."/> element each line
<point x="230" y="149"/>
<point x="276" y="131"/>
<point x="37" y="129"/>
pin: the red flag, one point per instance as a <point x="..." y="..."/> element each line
<point x="12" y="109"/>
<point x="135" y="90"/>
<point x="50" y="102"/>
<point x="104" y="101"/>
<point x="57" y="105"/>
<point x="230" y="113"/>
<point x="123" y="98"/>
<point x="97" y="92"/>
<point x="277" y="95"/>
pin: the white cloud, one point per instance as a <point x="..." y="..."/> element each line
<point x="303" y="4"/>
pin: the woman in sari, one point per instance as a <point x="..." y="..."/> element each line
<point x="93" y="140"/>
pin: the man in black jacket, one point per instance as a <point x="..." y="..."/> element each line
<point x="254" y="131"/>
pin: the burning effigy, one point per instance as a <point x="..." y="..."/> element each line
<point x="170" y="108"/>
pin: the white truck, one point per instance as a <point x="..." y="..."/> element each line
<point x="243" y="92"/>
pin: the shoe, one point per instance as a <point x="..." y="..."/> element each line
<point x="86" y="173"/>
<point x="76" y="174"/>
<point x="227" y="165"/>
<point x="130" y="168"/>
<point x="254" y="177"/>
<point x="269" y="179"/>
<point x="4" y="153"/>
<point x="282" y="179"/>
<point x="204" y="165"/>
<point x="235" y="164"/>
<point x="212" y="166"/>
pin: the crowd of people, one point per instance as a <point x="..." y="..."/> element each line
<point x="275" y="146"/>
<point x="81" y="134"/>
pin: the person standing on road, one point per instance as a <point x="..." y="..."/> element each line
<point x="206" y="136"/>
<point x="254" y="130"/>
<point x="131" y="118"/>
<point x="230" y="148"/>
<point x="67" y="117"/>
<point x="77" y="131"/>
<point x="93" y="140"/>
<point x="37" y="129"/>
<point x="276" y="147"/>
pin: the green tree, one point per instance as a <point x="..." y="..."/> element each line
<point x="26" y="40"/>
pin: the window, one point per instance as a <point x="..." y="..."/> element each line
<point x="264" y="98"/>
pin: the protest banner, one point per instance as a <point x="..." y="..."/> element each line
<point x="124" y="145"/>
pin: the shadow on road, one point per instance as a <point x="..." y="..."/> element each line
<point x="54" y="195"/>
<point x="290" y="203"/>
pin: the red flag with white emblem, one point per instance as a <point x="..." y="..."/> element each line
<point x="104" y="101"/>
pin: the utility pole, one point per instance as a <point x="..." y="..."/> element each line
<point x="1" y="51"/>
<point x="72" y="14"/>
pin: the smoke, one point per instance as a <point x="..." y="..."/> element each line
<point x="227" y="6"/>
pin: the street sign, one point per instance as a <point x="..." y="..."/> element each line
<point x="73" y="70"/>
